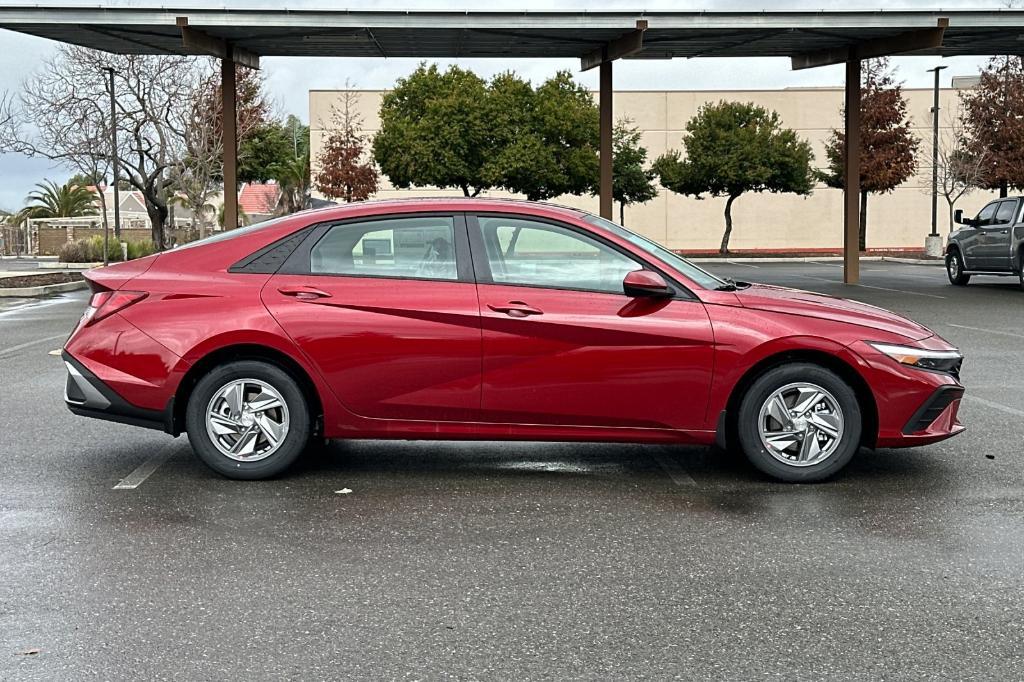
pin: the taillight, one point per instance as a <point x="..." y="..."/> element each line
<point x="106" y="303"/>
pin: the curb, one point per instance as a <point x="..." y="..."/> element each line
<point x="28" y="292"/>
<point x="914" y="261"/>
<point x="787" y="259"/>
<point x="57" y="265"/>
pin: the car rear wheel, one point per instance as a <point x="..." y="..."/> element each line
<point x="955" y="269"/>
<point x="800" y="423"/>
<point x="248" y="420"/>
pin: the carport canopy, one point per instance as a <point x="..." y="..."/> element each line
<point x="597" y="38"/>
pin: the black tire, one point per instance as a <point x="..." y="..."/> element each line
<point x="764" y="387"/>
<point x="955" y="268"/>
<point x="289" y="449"/>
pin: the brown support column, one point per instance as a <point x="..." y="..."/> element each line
<point x="605" y="189"/>
<point x="228" y="114"/>
<point x="851" y="172"/>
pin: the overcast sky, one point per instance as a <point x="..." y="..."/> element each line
<point x="290" y="79"/>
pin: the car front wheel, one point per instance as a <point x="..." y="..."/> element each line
<point x="248" y="420"/>
<point x="955" y="269"/>
<point x="799" y="423"/>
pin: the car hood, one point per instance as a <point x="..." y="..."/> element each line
<point x="810" y="304"/>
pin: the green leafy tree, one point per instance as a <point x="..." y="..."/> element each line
<point x="51" y="200"/>
<point x="544" y="140"/>
<point x="733" y="148"/>
<point x="631" y="182"/>
<point x="433" y="131"/>
<point x="888" y="148"/>
<point x="266" y="148"/>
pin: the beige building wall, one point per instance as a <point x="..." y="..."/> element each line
<point x="785" y="222"/>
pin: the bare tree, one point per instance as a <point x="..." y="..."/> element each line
<point x="195" y="176"/>
<point x="962" y="167"/>
<point x="70" y="93"/>
<point x="76" y="135"/>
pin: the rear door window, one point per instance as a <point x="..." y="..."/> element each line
<point x="421" y="247"/>
<point x="1004" y="214"/>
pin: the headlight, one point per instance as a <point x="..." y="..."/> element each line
<point x="948" y="361"/>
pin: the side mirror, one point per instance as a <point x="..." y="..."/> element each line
<point x="958" y="216"/>
<point x="645" y="283"/>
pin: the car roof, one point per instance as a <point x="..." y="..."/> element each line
<point x="378" y="206"/>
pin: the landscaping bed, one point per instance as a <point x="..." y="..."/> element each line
<point x="38" y="280"/>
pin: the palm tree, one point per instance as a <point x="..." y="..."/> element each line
<point x="58" y="201"/>
<point x="293" y="178"/>
<point x="243" y="217"/>
<point x="200" y="212"/>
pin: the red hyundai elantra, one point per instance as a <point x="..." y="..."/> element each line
<point x="490" y="320"/>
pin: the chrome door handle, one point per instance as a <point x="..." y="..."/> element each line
<point x="516" y="309"/>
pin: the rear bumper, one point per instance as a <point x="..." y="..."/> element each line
<point x="87" y="396"/>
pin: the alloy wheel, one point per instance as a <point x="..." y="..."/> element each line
<point x="801" y="424"/>
<point x="247" y="420"/>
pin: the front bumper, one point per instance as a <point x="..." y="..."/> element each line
<point x="87" y="396"/>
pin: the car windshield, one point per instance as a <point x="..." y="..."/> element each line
<point x="692" y="272"/>
<point x="231" y="234"/>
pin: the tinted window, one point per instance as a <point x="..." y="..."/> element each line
<point x="1004" y="215"/>
<point x="417" y="248"/>
<point x="527" y="252"/>
<point x="986" y="214"/>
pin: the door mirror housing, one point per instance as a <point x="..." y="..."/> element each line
<point x="645" y="283"/>
<point x="958" y="216"/>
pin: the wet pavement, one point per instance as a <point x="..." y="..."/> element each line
<point x="524" y="560"/>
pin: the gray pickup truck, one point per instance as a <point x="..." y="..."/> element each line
<point x="991" y="243"/>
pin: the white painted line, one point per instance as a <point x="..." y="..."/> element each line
<point x="746" y="265"/>
<point x="995" y="406"/>
<point x="29" y="344"/>
<point x="982" y="329"/>
<point x="868" y="286"/>
<point x="900" y="291"/>
<point x="145" y="470"/>
<point x="674" y="470"/>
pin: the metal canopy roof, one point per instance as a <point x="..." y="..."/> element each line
<point x="355" y="33"/>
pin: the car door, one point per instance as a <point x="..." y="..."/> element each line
<point x="562" y="343"/>
<point x="972" y="237"/>
<point x="994" y="248"/>
<point x="386" y="308"/>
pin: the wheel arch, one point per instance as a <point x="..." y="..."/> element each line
<point x="861" y="389"/>
<point x="235" y="353"/>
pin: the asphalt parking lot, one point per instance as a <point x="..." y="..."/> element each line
<point x="515" y="561"/>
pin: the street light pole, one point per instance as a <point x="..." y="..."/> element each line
<point x="113" y="165"/>
<point x="935" y="152"/>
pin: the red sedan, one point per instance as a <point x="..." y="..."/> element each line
<point x="489" y="320"/>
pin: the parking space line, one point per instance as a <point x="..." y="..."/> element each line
<point x="674" y="470"/>
<point x="869" y="286"/>
<point x="29" y="344"/>
<point x="982" y="329"/>
<point x="995" y="406"/>
<point x="145" y="470"/>
<point x="746" y="265"/>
